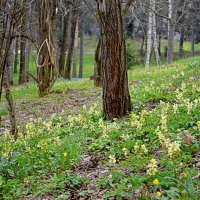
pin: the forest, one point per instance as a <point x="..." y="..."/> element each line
<point x="99" y="99"/>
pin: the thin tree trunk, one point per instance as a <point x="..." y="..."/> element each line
<point x="75" y="52"/>
<point x="9" y="70"/>
<point x="28" y="52"/>
<point x="63" y="45"/>
<point x="193" y="41"/>
<point x="16" y="55"/>
<point x="71" y="45"/>
<point x="98" y="67"/>
<point x="59" y="38"/>
<point x="11" y="109"/>
<point x="149" y="36"/>
<point x="22" y="61"/>
<point x="172" y="26"/>
<point x="181" y="53"/>
<point x="157" y="55"/>
<point x="81" y="33"/>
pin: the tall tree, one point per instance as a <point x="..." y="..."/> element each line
<point x="73" y="20"/>
<point x="46" y="54"/>
<point x="116" y="97"/>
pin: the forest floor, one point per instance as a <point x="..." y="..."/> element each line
<point x="66" y="150"/>
<point x="70" y="101"/>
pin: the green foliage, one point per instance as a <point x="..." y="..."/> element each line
<point x="144" y="156"/>
<point x="133" y="57"/>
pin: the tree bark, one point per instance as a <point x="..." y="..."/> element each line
<point x="27" y="57"/>
<point x="16" y="55"/>
<point x="46" y="54"/>
<point x="98" y="67"/>
<point x="22" y="61"/>
<point x="116" y="98"/>
<point x="149" y="36"/>
<point x="157" y="55"/>
<point x="74" y="74"/>
<point x="74" y="18"/>
<point x="181" y="43"/>
<point x="13" y="130"/>
<point x="81" y="33"/>
<point x="63" y="45"/>
<point x="171" y="31"/>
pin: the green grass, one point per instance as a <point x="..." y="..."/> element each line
<point x="165" y="107"/>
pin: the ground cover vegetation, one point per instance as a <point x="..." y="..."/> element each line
<point x="153" y="153"/>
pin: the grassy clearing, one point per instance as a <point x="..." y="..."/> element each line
<point x="152" y="154"/>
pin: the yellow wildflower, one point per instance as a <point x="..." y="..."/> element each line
<point x="185" y="175"/>
<point x="152" y="167"/>
<point x="198" y="124"/>
<point x="159" y="194"/>
<point x="112" y="159"/>
<point x="65" y="154"/>
<point x="155" y="182"/>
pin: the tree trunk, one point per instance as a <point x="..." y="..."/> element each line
<point x="149" y="36"/>
<point x="171" y="32"/>
<point x="9" y="70"/>
<point x="74" y="18"/>
<point x="75" y="52"/>
<point x="16" y="55"/>
<point x="46" y="61"/>
<point x="63" y="45"/>
<point x="116" y="98"/>
<point x="11" y="109"/>
<point x="81" y="33"/>
<point x="28" y="52"/>
<point x="181" y="53"/>
<point x="193" y="41"/>
<point x="98" y="67"/>
<point x="22" y="61"/>
<point x="157" y="55"/>
<point x="59" y="37"/>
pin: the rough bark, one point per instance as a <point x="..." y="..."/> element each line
<point x="46" y="55"/>
<point x="116" y="98"/>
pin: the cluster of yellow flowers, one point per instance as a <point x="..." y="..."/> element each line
<point x="173" y="148"/>
<point x="43" y="145"/>
<point x="112" y="159"/>
<point x="163" y="122"/>
<point x="77" y="120"/>
<point x="135" y="121"/>
<point x="152" y="167"/>
<point x="198" y="125"/>
<point x="125" y="151"/>
<point x="140" y="149"/>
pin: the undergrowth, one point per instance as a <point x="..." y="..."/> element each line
<point x="150" y="154"/>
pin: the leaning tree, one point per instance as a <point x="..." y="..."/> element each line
<point x="116" y="97"/>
